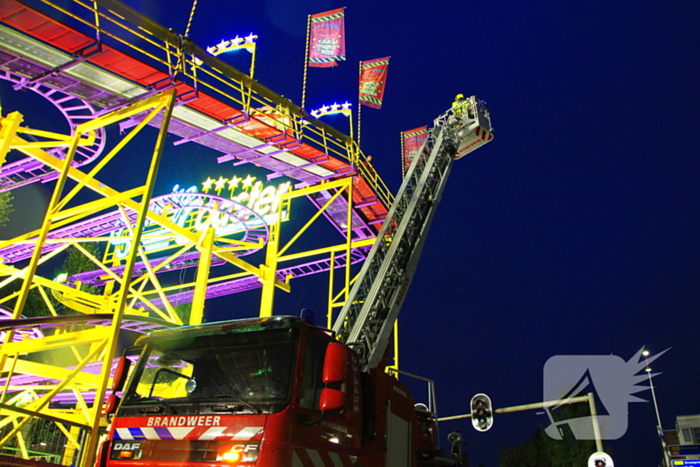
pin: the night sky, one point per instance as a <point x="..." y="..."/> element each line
<point x="575" y="232"/>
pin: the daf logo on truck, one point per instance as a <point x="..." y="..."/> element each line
<point x="126" y="446"/>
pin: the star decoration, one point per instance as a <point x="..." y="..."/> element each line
<point x="220" y="183"/>
<point x="332" y="109"/>
<point x="237" y="43"/>
<point x="206" y="186"/>
<point x="248" y="181"/>
<point x="233" y="183"/>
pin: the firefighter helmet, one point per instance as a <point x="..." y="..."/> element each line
<point x="459" y="97"/>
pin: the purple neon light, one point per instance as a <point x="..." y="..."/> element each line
<point x="253" y="225"/>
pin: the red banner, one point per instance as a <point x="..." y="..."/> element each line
<point x="327" y="38"/>
<point x="412" y="142"/>
<point x="373" y="81"/>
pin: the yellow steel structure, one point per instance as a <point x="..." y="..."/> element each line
<point x="275" y="253"/>
<point x="73" y="357"/>
<point x="86" y="346"/>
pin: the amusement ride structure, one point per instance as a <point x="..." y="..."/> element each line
<point x="106" y="67"/>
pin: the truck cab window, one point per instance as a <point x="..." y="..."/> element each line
<point x="254" y="367"/>
<point x="164" y="377"/>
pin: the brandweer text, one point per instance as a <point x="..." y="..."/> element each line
<point x="196" y="420"/>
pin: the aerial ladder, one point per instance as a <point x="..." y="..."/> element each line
<point x="366" y="320"/>
<point x="281" y="391"/>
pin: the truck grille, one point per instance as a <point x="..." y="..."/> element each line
<point x="181" y="450"/>
<point x="175" y="450"/>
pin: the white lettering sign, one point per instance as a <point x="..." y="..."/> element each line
<point x="126" y="446"/>
<point x="190" y="420"/>
<point x="197" y="212"/>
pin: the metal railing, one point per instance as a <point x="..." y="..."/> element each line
<point x="188" y="65"/>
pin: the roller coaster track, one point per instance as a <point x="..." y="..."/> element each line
<point x="76" y="111"/>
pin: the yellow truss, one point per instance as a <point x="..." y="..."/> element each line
<point x="78" y="347"/>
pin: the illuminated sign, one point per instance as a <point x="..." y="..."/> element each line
<point x="239" y="208"/>
<point x="237" y="43"/>
<point x="247" y="191"/>
<point x="684" y="450"/>
<point x="332" y="109"/>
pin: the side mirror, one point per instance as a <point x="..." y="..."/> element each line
<point x="120" y="373"/>
<point x="112" y="404"/>
<point x="331" y="400"/>
<point x="334" y="363"/>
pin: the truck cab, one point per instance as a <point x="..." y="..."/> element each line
<point x="275" y="391"/>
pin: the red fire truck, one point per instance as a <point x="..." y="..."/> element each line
<point x="280" y="391"/>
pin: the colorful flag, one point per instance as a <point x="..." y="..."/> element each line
<point x="412" y="141"/>
<point x="327" y="38"/>
<point x="373" y="81"/>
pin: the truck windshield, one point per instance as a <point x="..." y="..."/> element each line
<point x="250" y="367"/>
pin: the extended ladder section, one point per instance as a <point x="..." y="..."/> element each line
<point x="366" y="321"/>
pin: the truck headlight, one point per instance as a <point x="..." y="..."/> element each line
<point x="240" y="453"/>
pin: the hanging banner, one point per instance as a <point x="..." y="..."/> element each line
<point x="411" y="142"/>
<point x="373" y="81"/>
<point x="327" y="38"/>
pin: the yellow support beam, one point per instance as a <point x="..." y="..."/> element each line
<point x="28" y="367"/>
<point x="200" y="290"/>
<point x="122" y="296"/>
<point x="53" y="342"/>
<point x="8" y="128"/>
<point x="328" y="249"/>
<point x="275" y="253"/>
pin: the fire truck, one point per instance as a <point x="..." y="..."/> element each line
<point x="281" y="391"/>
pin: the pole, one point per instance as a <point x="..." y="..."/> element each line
<point x="351" y="126"/>
<point x="189" y="21"/>
<point x="359" y="108"/>
<point x="653" y="393"/>
<point x="252" y="61"/>
<point x="520" y="408"/>
<point x="306" y="62"/>
<point x="667" y="461"/>
<point x="594" y="418"/>
<point x="404" y="169"/>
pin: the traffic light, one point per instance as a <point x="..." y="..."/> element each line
<point x="482" y="412"/>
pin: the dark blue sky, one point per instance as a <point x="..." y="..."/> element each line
<point x="575" y="232"/>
